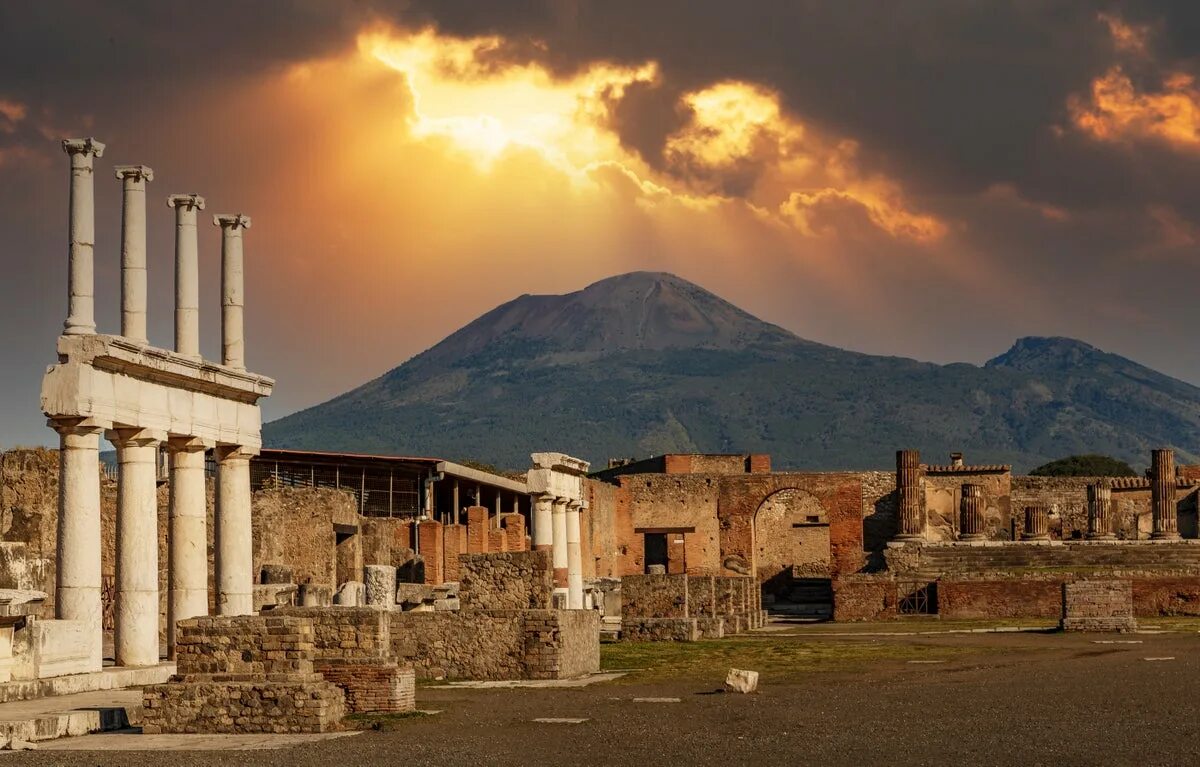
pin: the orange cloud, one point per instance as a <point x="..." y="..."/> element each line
<point x="1127" y="38"/>
<point x="11" y="113"/>
<point x="1116" y="111"/>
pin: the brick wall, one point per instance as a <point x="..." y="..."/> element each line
<point x="879" y="509"/>
<point x="344" y="633"/>
<point x="864" y="599"/>
<point x="431" y="540"/>
<point x="654" y="596"/>
<point x="999" y="599"/>
<point x="245" y="645"/>
<point x="514" y="529"/>
<point x="702" y="596"/>
<point x="452" y="538"/>
<point x="1166" y="596"/>
<point x="1097" y="605"/>
<point x="561" y="644"/>
<point x="477" y="530"/>
<point x="515" y="580"/>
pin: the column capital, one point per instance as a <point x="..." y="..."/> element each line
<point x="82" y="427"/>
<point x="177" y="444"/>
<point x="84" y="146"/>
<point x="231" y="221"/>
<point x="185" y="201"/>
<point x="233" y="453"/>
<point x="134" y="172"/>
<point x="574" y="505"/>
<point x="134" y="437"/>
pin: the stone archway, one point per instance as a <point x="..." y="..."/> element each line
<point x="791" y="540"/>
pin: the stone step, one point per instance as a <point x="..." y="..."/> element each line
<point x="33" y="721"/>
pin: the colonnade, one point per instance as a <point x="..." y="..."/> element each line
<point x="78" y="585"/>
<point x="556" y="487"/>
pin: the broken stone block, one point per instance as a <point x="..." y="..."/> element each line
<point x="739" y="680"/>
<point x="380" y="586"/>
<point x="350" y="594"/>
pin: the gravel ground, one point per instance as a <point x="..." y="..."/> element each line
<point x="1043" y="699"/>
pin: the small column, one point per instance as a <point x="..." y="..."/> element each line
<point x="559" y="524"/>
<point x="187" y="536"/>
<point x="1037" y="523"/>
<point x="135" y="636"/>
<point x="543" y="533"/>
<point x="574" y="557"/>
<point x="133" y="250"/>
<point x="908" y="488"/>
<point x="1162" y="495"/>
<point x="1099" y="497"/>
<point x="972" y="526"/>
<point x="77" y="577"/>
<point x="233" y="289"/>
<point x="187" y="273"/>
<point x="234" y="545"/>
<point x="81" y="279"/>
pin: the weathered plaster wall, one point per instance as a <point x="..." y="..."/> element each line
<point x="943" y="492"/>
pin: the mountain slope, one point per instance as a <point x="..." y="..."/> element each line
<point x="649" y="363"/>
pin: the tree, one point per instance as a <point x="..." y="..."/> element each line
<point x="1090" y="465"/>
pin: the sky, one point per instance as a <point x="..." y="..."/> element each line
<point x="923" y="179"/>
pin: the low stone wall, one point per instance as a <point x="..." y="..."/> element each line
<point x="515" y="580"/>
<point x="245" y="674"/>
<point x="702" y="596"/>
<point x="999" y="599"/>
<point x="654" y="596"/>
<point x="1166" y="596"/>
<point x="1097" y="606"/>
<point x="498" y="644"/>
<point x="637" y="629"/>
<point x="863" y="599"/>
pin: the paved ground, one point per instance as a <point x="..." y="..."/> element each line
<point x="1019" y="699"/>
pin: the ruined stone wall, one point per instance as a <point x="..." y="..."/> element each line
<point x="1097" y="605"/>
<point x="1166" y="596"/>
<point x="28" y="519"/>
<point x="944" y="491"/>
<point x="344" y="633"/>
<point x="864" y="598"/>
<point x="293" y="526"/>
<point x="686" y="503"/>
<point x="985" y="599"/>
<point x="654" y="596"/>
<point x="880" y="507"/>
<point x="1067" y="499"/>
<point x="521" y="580"/>
<point x="561" y="644"/>
<point x="606" y="532"/>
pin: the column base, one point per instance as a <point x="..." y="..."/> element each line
<point x="1165" y="535"/>
<point x="1035" y="537"/>
<point x="909" y="538"/>
<point x="973" y="537"/>
<point x="1102" y="537"/>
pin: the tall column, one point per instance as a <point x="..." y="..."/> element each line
<point x="81" y="279"/>
<point x="233" y="289"/>
<point x="972" y="526"/>
<point x="1162" y="494"/>
<point x="543" y="533"/>
<point x="908" y="488"/>
<point x="1099" y="497"/>
<point x="187" y="273"/>
<point x="574" y="558"/>
<point x="559" y="524"/>
<point x="187" y="550"/>
<point x="234" y="547"/>
<point x="77" y="581"/>
<point x="135" y="636"/>
<point x="1037" y="523"/>
<point x="133" y="250"/>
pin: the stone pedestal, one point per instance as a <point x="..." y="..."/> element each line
<point x="973" y="524"/>
<point x="1037" y="523"/>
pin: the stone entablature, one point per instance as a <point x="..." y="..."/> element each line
<point x="556" y="485"/>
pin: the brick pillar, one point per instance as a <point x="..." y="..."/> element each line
<point x="972" y="526"/>
<point x="429" y="534"/>
<point x="1037" y="523"/>
<point x="477" y="530"/>
<point x="760" y="464"/>
<point x="452" y="547"/>
<point x="514" y="528"/>
<point x="1162" y="494"/>
<point x="497" y="541"/>
<point x="1099" y="498"/>
<point x="908" y="489"/>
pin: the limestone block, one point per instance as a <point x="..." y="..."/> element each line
<point x="739" y="680"/>
<point x="61" y="647"/>
<point x="314" y="595"/>
<point x="410" y="595"/>
<point x="380" y="586"/>
<point x="447" y="604"/>
<point x="350" y="594"/>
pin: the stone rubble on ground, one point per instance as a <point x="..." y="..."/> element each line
<point x="739" y="680"/>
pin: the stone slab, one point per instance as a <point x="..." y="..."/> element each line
<point x="36" y="721"/>
<point x="112" y="678"/>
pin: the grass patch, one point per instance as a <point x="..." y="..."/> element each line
<point x="774" y="659"/>
<point x="381" y="722"/>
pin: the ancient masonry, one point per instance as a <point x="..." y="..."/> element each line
<point x="142" y="397"/>
<point x="1089" y="605"/>
<point x="685" y="608"/>
<point x="244" y="674"/>
<point x="556" y="484"/>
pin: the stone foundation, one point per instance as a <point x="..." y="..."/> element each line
<point x="1097" y="606"/>
<point x="864" y="599"/>
<point x="371" y="686"/>
<point x="244" y="674"/>
<point x="660" y="629"/>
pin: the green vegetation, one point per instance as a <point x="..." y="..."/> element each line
<point x="1090" y="465"/>
<point x="774" y="658"/>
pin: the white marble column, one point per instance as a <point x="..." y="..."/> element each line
<point x="233" y="289"/>
<point x="187" y="537"/>
<point x="81" y="280"/>
<point x="135" y="635"/>
<point x="187" y="273"/>
<point x="77" y="581"/>
<point x="133" y="250"/>
<point x="234" y="547"/>
<point x="559" y="523"/>
<point x="543" y="533"/>
<point x="574" y="558"/>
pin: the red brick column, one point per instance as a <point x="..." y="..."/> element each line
<point x="452" y="540"/>
<point x="497" y="541"/>
<point x="477" y="530"/>
<point x="429" y="534"/>
<point x="514" y="528"/>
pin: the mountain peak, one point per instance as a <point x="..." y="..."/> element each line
<point x="1040" y="352"/>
